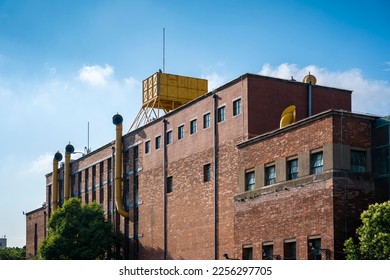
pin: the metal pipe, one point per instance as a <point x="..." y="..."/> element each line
<point x="215" y="184"/>
<point x="165" y="189"/>
<point x="56" y="159"/>
<point x="117" y="120"/>
<point x="69" y="149"/>
<point x="310" y="99"/>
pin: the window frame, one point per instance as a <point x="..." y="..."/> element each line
<point x="206" y="120"/>
<point x="250" y="186"/>
<point x="315" y="167"/>
<point x="147" y="147"/>
<point x="169" y="184"/>
<point x="180" y="132"/>
<point x="292" y="171"/>
<point x="193" y="128"/>
<point x="207" y="172"/>
<point x="237" y="109"/>
<point x="267" y="179"/>
<point x="221" y="117"/>
<point x="157" y="142"/>
<point x="169" y="136"/>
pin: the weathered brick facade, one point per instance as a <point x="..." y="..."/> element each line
<point x="205" y="216"/>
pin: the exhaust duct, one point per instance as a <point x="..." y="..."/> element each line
<point x="117" y="121"/>
<point x="57" y="158"/>
<point x="69" y="149"/>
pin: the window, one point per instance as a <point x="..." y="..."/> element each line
<point x="169" y="184"/>
<point x="180" y="132"/>
<point x="237" y="107"/>
<point x="314" y="249"/>
<point x="147" y="147"/>
<point x="247" y="253"/>
<point x="207" y="172"/>
<point x="250" y="180"/>
<point x="221" y="114"/>
<point x="270" y="175"/>
<point x="206" y="120"/>
<point x="193" y="126"/>
<point x="292" y="169"/>
<point x="358" y="161"/>
<point x="290" y="252"/>
<point x="158" y="142"/>
<point x="169" y="137"/>
<point x="268" y="251"/>
<point x="316" y="163"/>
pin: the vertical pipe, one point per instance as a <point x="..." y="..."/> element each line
<point x="215" y="184"/>
<point x="310" y="99"/>
<point x="56" y="159"/>
<point x="69" y="149"/>
<point x="117" y="120"/>
<point x="165" y="189"/>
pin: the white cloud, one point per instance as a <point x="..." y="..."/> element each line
<point x="42" y="165"/>
<point x="214" y="80"/>
<point x="369" y="96"/>
<point x="96" y="75"/>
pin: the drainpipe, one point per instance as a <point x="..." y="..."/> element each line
<point x="165" y="189"/>
<point x="117" y="120"/>
<point x="56" y="159"/>
<point x="215" y="184"/>
<point x="69" y="149"/>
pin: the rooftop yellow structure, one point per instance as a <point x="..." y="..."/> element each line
<point x="167" y="92"/>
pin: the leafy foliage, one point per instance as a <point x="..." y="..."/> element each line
<point x="13" y="253"/>
<point x="373" y="235"/>
<point x="78" y="232"/>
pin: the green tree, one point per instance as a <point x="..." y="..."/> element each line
<point x="78" y="232"/>
<point x="373" y="235"/>
<point x="13" y="253"/>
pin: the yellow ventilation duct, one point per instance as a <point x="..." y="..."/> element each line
<point x="69" y="149"/>
<point x="56" y="159"/>
<point x="117" y="120"/>
<point x="288" y="116"/>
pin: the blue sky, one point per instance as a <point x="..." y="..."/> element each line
<point x="66" y="63"/>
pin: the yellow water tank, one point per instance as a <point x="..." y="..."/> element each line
<point x="168" y="91"/>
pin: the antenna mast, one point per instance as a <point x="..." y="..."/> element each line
<point x="164" y="50"/>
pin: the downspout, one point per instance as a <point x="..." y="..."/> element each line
<point x="117" y="120"/>
<point x="165" y="206"/>
<point x="69" y="149"/>
<point x="56" y="159"/>
<point x="215" y="184"/>
<point x="310" y="99"/>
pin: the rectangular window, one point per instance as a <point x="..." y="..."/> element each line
<point x="292" y="169"/>
<point x="237" y="107"/>
<point x="180" y="132"/>
<point x="290" y="251"/>
<point x="147" y="147"/>
<point x="247" y="253"/>
<point x="206" y="120"/>
<point x="207" y="172"/>
<point x="270" y="175"/>
<point x="158" y="142"/>
<point x="169" y="137"/>
<point x="358" y="161"/>
<point x="250" y="180"/>
<point x="267" y="251"/>
<point x="316" y="163"/>
<point x="193" y="126"/>
<point x="221" y="114"/>
<point x="169" y="184"/>
<point x="314" y="249"/>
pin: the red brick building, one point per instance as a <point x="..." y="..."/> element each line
<point x="218" y="178"/>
